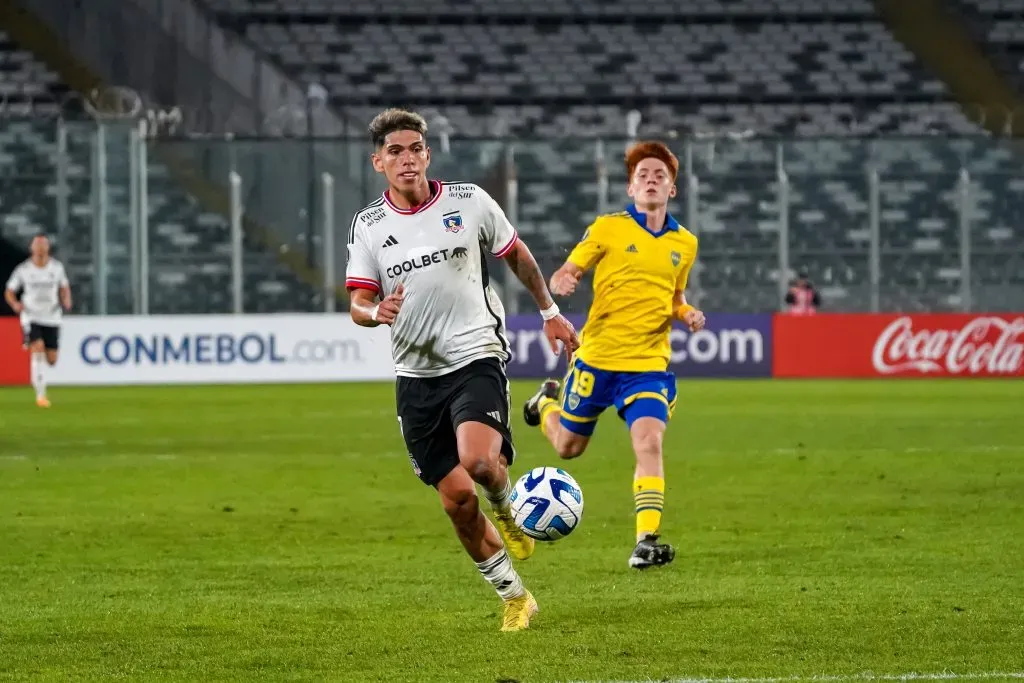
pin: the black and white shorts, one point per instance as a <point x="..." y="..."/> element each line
<point x="50" y="334"/>
<point x="430" y="409"/>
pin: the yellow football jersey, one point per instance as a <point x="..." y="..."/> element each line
<point x="636" y="277"/>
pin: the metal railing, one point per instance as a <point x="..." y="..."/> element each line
<point x="157" y="226"/>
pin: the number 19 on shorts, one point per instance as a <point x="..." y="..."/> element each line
<point x="582" y="383"/>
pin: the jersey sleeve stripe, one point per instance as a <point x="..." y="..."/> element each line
<point x="501" y="253"/>
<point x="362" y="283"/>
<point x="352" y="229"/>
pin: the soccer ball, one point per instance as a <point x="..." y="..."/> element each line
<point x="547" y="503"/>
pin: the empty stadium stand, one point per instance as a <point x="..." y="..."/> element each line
<point x="25" y="84"/>
<point x="747" y="91"/>
<point x="544" y="73"/>
<point x="999" y="26"/>
<point x="190" y="264"/>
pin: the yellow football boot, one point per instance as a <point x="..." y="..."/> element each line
<point x="518" y="612"/>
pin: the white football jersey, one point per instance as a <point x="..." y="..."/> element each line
<point x="450" y="316"/>
<point x="41" y="297"/>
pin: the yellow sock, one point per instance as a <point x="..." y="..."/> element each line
<point x="546" y="406"/>
<point x="649" y="496"/>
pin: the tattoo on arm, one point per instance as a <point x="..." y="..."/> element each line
<point x="525" y="267"/>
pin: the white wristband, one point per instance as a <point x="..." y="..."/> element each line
<point x="373" y="313"/>
<point x="550" y="312"/>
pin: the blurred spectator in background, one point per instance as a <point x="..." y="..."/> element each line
<point x="802" y="298"/>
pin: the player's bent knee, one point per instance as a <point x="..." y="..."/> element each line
<point x="458" y="493"/>
<point x="480" y="468"/>
<point x="460" y="502"/>
<point x="648" y="445"/>
<point x="647" y="435"/>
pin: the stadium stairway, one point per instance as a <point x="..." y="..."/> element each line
<point x="942" y="42"/>
<point x="36" y="36"/>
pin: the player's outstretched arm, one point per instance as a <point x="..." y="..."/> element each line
<point x="367" y="312"/>
<point x="520" y="260"/>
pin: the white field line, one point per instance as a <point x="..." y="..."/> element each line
<point x="850" y="678"/>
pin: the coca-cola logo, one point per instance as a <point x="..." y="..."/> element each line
<point x="986" y="344"/>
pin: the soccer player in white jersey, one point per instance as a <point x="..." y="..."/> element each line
<point x="417" y="263"/>
<point x="46" y="294"/>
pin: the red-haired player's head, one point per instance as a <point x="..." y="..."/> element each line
<point x="651" y="169"/>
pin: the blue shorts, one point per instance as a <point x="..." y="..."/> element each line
<point x="587" y="391"/>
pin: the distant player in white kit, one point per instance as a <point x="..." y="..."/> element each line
<point x="46" y="294"/>
<point x="420" y="248"/>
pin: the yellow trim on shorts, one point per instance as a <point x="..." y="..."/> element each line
<point x="576" y="418"/>
<point x="645" y="394"/>
<point x="672" y="407"/>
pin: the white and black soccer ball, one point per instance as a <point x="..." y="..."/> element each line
<point x="547" y="503"/>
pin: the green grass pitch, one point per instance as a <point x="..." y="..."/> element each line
<point x="277" y="533"/>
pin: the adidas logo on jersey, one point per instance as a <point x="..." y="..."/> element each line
<point x="390" y="242"/>
<point x="631" y="249"/>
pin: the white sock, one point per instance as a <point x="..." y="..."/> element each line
<point x="498" y="570"/>
<point x="38" y="365"/>
<point x="501" y="501"/>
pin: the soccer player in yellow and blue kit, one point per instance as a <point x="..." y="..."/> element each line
<point x="641" y="259"/>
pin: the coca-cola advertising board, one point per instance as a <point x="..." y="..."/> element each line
<point x="927" y="345"/>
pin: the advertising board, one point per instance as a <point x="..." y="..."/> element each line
<point x="219" y="349"/>
<point x="927" y="345"/>
<point x="732" y="345"/>
<point x="14" y="361"/>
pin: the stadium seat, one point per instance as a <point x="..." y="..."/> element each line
<point x="742" y="88"/>
<point x="190" y="248"/>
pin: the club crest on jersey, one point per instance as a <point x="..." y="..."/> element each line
<point x="574" y="401"/>
<point x="453" y="222"/>
<point x="676" y="258"/>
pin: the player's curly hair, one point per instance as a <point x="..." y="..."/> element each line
<point x="390" y="120"/>
<point x="647" y="150"/>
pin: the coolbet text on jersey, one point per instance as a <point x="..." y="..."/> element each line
<point x="636" y="277"/>
<point x="451" y="315"/>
